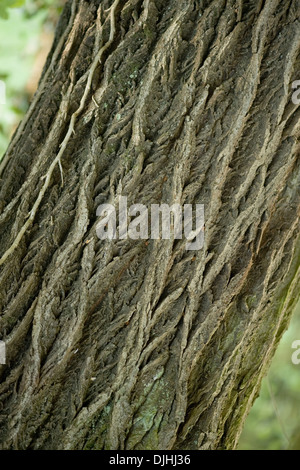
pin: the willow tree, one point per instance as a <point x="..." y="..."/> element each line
<point x="142" y="344"/>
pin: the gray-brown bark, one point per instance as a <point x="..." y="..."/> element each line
<point x="134" y="345"/>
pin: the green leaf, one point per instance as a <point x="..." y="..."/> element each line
<point x="3" y="13"/>
<point x="4" y="4"/>
<point x="18" y="3"/>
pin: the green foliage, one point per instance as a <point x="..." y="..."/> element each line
<point x="32" y="6"/>
<point x="4" y="4"/>
<point x="52" y="7"/>
<point x="273" y="422"/>
<point x="21" y="25"/>
<point x="19" y="42"/>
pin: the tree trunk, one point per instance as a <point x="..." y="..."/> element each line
<point x="135" y="344"/>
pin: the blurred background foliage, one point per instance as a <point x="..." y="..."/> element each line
<point x="273" y="423"/>
<point x="26" y="33"/>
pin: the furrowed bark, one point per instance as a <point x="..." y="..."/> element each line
<point x="133" y="345"/>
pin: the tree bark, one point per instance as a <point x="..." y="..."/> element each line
<point x="134" y="344"/>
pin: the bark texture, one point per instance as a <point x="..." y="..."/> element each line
<point x="136" y="345"/>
